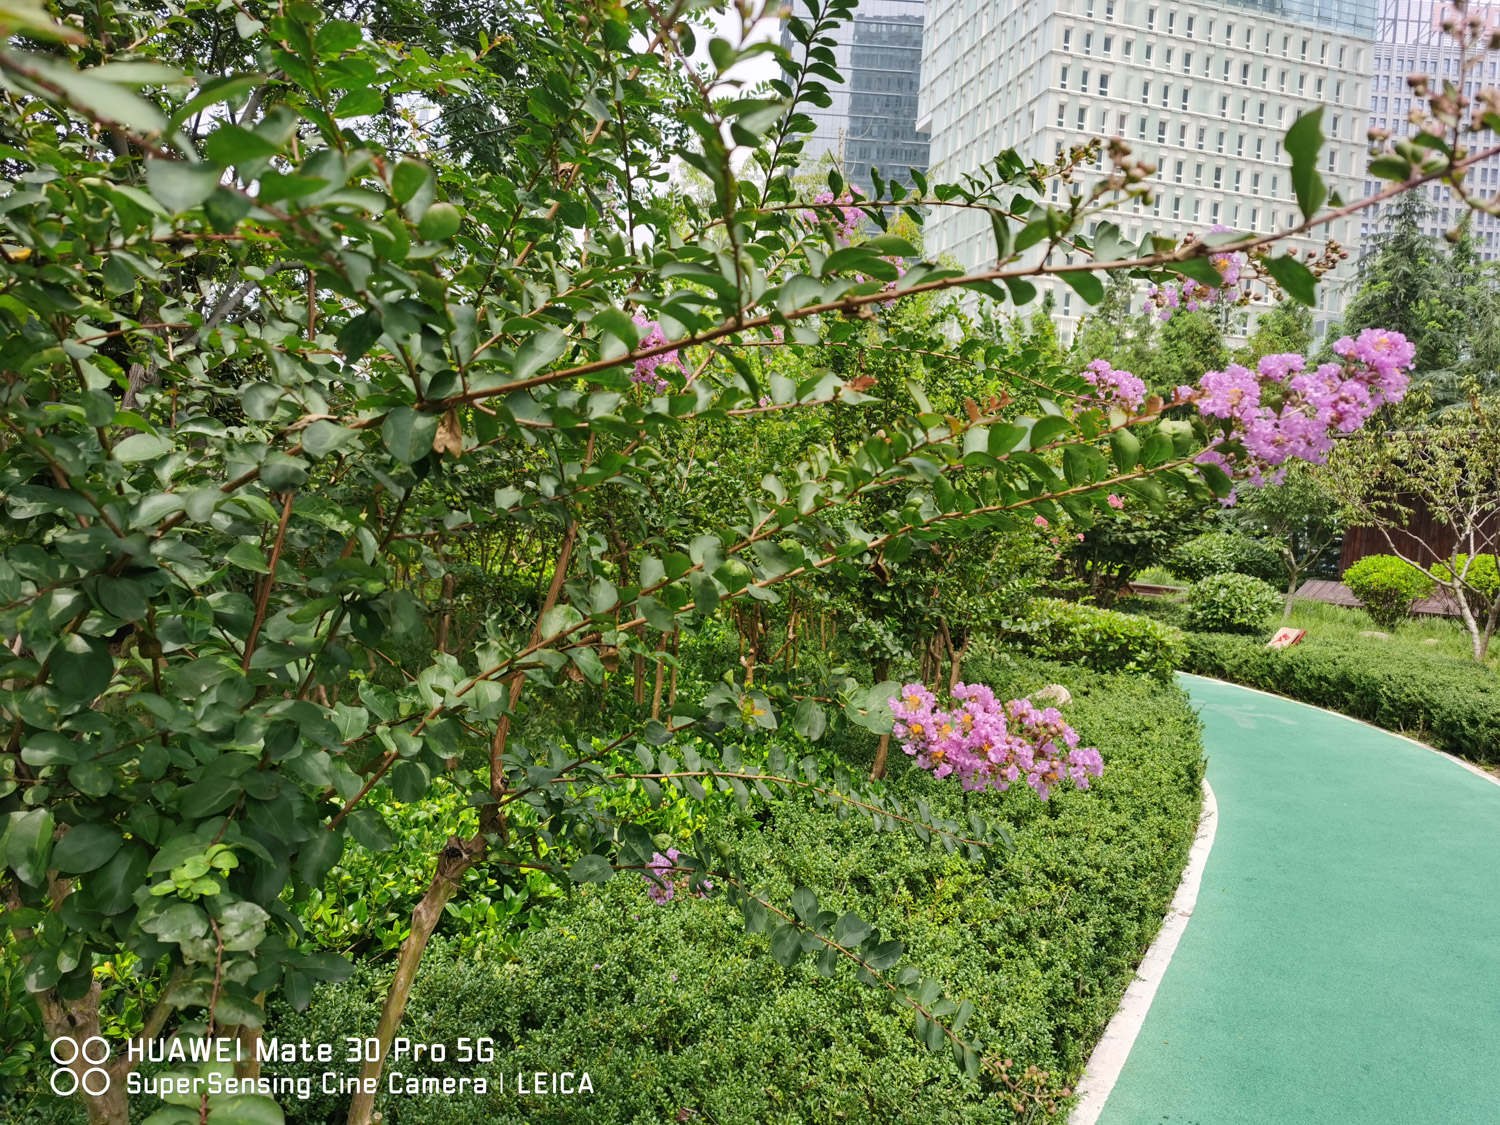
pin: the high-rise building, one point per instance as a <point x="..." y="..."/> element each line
<point x="873" y="115"/>
<point x="1203" y="90"/>
<point x="1409" y="39"/>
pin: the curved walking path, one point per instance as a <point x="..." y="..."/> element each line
<point x="1342" y="964"/>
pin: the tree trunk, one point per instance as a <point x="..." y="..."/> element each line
<point x="1291" y="595"/>
<point x="456" y="858"/>
<point x="881" y="668"/>
<point x="78" y="1020"/>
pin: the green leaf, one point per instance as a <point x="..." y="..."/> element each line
<point x="242" y="926"/>
<point x="809" y="720"/>
<point x="409" y="178"/>
<point x="851" y="930"/>
<point x="1086" y="285"/>
<point x="591" y="869"/>
<point x="440" y="222"/>
<point x="370" y="830"/>
<point x="408" y="434"/>
<point x="786" y="945"/>
<point x="125" y="598"/>
<point x="178" y="185"/>
<point x="365" y="102"/>
<point x="81" y="667"/>
<point x="317" y="856"/>
<point x="234" y="144"/>
<point x="1295" y="278"/>
<point x="1125" y="448"/>
<point x="538" y="350"/>
<point x="323" y="437"/>
<point x="1304" y="141"/>
<point x="28" y="844"/>
<point x="1390" y="167"/>
<point x="885" y="955"/>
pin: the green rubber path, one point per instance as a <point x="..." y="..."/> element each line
<point x="1343" y="962"/>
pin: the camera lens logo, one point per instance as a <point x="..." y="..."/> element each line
<point x="66" y="1051"/>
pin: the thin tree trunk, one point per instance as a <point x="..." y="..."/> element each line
<point x="445" y="623"/>
<point x="656" y="691"/>
<point x="881" y="668"/>
<point x="456" y="858"/>
<point x="78" y="1020"/>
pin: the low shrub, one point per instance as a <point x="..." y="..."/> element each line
<point x="678" y="1015"/>
<point x="1453" y="704"/>
<point x="1483" y="577"/>
<point x="1101" y="639"/>
<point x="1226" y="552"/>
<point x="1388" y="586"/>
<point x="1231" y="603"/>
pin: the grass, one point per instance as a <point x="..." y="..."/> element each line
<point x="1159" y="576"/>
<point x="1443" y="635"/>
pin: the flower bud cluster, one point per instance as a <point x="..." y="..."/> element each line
<point x="846" y="219"/>
<point x="990" y="746"/>
<point x="663" y="892"/>
<point x="1190" y="296"/>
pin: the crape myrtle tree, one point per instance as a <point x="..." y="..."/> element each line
<point x="272" y="361"/>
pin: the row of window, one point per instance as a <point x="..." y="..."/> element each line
<point x="1227" y="71"/>
<point x="1104" y="75"/>
<point x="1304" y="44"/>
<point x="1182" y="104"/>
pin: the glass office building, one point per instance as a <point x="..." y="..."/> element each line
<point x="872" y="121"/>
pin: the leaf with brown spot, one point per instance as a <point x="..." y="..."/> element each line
<point x="450" y="435"/>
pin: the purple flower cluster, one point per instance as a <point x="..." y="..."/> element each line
<point x="1112" y="387"/>
<point x="645" y="369"/>
<point x="1282" y="410"/>
<point x="989" y="745"/>
<point x="664" y="891"/>
<point x="1190" y="295"/>
<point x="846" y="226"/>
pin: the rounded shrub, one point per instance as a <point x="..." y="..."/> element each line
<point x="1225" y="552"/>
<point x="1101" y="639"/>
<point x="1482" y="578"/>
<point x="1388" y="586"/>
<point x="1231" y="603"/>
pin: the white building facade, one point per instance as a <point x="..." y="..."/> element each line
<point x="1205" y="91"/>
<point x="1409" y="40"/>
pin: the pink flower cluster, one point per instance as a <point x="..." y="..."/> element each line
<point x="1190" y="295"/>
<point x="846" y="226"/>
<point x="989" y="745"/>
<point x="664" y="891"/>
<point x="645" y="369"/>
<point x="1111" y="387"/>
<point x="1282" y="410"/>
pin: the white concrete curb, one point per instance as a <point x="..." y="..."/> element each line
<point x="1113" y="1048"/>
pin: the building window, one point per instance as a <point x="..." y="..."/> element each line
<point x="1202" y="135"/>
<point x="1226" y="70"/>
<point x="1338" y="90"/>
<point x="1109" y="9"/>
<point x="1198" y="174"/>
<point x="1081" y="112"/>
<point x="1247" y="38"/>
<point x="1286" y="45"/>
<point x="1332" y="158"/>
<point x="1220" y="146"/>
<point x="1213" y="213"/>
<point x="1109" y="44"/>
<point x="1323" y="54"/>
<point x="1223" y="107"/>
<point x="1304" y="50"/>
<point x="1197" y="209"/>
<point x="1228" y="34"/>
<point x="1260" y="114"/>
<point x="1183" y="101"/>
<point x="1218" y="179"/>
<point x="1141" y="132"/>
<point x="1244" y="74"/>
<point x="1336" y="120"/>
<point x="1239" y="145"/>
<point x="1083" y="82"/>
<point x="1067" y="39"/>
<point x="1273" y="187"/>
<point x="1062" y="115"/>
<point x="1187" y="62"/>
<point x="1104" y="85"/>
<point x="1177" y="207"/>
<point x="1302" y="84"/>
<point x="1150" y="19"/>
<point x="1145" y="93"/>
<point x="1254" y="217"/>
<point x="1244" y="106"/>
<point x="1171" y="23"/>
<point x="1088" y="42"/>
<point x="1265" y="77"/>
<point x="1182" y="136"/>
<point x="1318" y="88"/>
<point x="1177" y="173"/>
<point x="1146" y="54"/>
<point x="1239" y="177"/>
<point x="1281" y="82"/>
<point x="1167" y="60"/>
<point x="1129" y="46"/>
<point x="1156" y="205"/>
<point x="1062" y="81"/>
<point x="1166" y="95"/>
<point x="1161" y="132"/>
<point x="1255" y="183"/>
<point x="1341" y="57"/>
<point x="1260" y="148"/>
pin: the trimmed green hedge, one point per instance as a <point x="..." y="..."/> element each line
<point x="1101" y="639"/>
<point x="1452" y="704"/>
<point x="674" y="1008"/>
<point x="1226" y="552"/>
<point x="1388" y="587"/>
<point x="1231" y="603"/>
